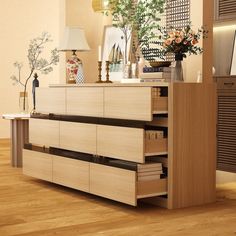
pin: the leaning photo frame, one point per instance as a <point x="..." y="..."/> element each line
<point x="233" y="59"/>
<point x="113" y="50"/>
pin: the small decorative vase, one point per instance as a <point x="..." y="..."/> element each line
<point x="23" y="102"/>
<point x="177" y="74"/>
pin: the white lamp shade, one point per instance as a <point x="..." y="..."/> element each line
<point x="74" y="39"/>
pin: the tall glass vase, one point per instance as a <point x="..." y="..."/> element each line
<point x="177" y="72"/>
<point x="23" y="102"/>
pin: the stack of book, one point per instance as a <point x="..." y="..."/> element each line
<point x="149" y="171"/>
<point x="155" y="74"/>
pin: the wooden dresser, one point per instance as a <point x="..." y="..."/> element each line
<point x="94" y="138"/>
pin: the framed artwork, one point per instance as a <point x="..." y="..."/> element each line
<point x="233" y="60"/>
<point x="113" y="50"/>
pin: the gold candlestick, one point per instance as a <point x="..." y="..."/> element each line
<point x="107" y="72"/>
<point x="99" y="72"/>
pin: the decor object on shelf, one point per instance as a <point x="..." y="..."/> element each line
<point x="180" y="42"/>
<point x="74" y="40"/>
<point x="113" y="51"/>
<point x="107" y="72"/>
<point x="35" y="84"/>
<point x="100" y="5"/>
<point x="138" y="21"/>
<point x="99" y="72"/>
<point x="233" y="60"/>
<point x="36" y="63"/>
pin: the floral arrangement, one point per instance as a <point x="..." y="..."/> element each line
<point x="182" y="41"/>
<point x="36" y="62"/>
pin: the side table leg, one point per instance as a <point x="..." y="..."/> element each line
<point x="19" y="136"/>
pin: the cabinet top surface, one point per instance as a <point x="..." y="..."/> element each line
<point x="148" y="84"/>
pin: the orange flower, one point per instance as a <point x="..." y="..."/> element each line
<point x="178" y="40"/>
<point x="168" y="42"/>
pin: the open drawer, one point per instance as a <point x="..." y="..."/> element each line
<point x="122" y="185"/>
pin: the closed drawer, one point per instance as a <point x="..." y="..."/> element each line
<point x="71" y="173"/>
<point x="121" y="143"/>
<point x="113" y="183"/>
<point x="51" y="100"/>
<point x="84" y="101"/>
<point x="78" y="137"/>
<point x="44" y="132"/>
<point x="37" y="164"/>
<point x="133" y="103"/>
<point x="151" y="188"/>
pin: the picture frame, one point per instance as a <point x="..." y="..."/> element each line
<point x="233" y="59"/>
<point x="113" y="50"/>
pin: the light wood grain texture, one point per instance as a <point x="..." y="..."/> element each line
<point x="44" y="132"/>
<point x="37" y="164"/>
<point x="192" y="144"/>
<point x="79" y="137"/>
<point x="155" y="146"/>
<point x="151" y="188"/>
<point x="71" y="173"/>
<point x="133" y="103"/>
<point x="159" y="104"/>
<point x="207" y="56"/>
<point x="87" y="101"/>
<point x="159" y="121"/>
<point x="51" y="100"/>
<point x="113" y="183"/>
<point x="31" y="207"/>
<point x="19" y="136"/>
<point x="121" y="143"/>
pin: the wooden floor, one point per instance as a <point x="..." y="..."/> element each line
<point x="32" y="207"/>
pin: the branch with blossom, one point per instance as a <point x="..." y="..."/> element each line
<point x="183" y="41"/>
<point x="36" y="62"/>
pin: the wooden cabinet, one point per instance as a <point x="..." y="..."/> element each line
<point x="37" y="164"/>
<point x="134" y="103"/>
<point x="71" y="173"/>
<point x="119" y="135"/>
<point x="225" y="10"/>
<point x="78" y="137"/>
<point x="121" y="143"/>
<point x="51" y="100"/>
<point x="44" y="132"/>
<point x="84" y="101"/>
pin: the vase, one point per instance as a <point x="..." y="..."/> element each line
<point x="23" y="102"/>
<point x="177" y="72"/>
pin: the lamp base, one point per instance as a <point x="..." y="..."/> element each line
<point x="74" y="70"/>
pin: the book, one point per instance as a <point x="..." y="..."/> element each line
<point x="148" y="69"/>
<point x="151" y="75"/>
<point x="151" y="80"/>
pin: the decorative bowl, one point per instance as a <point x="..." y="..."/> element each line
<point x="159" y="63"/>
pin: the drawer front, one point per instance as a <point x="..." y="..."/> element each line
<point x="113" y="183"/>
<point x="51" y="100"/>
<point x="85" y="101"/>
<point x="37" y="164"/>
<point x="71" y="173"/>
<point x="78" y="137"/>
<point x="121" y="143"/>
<point x="133" y="103"/>
<point x="44" y="132"/>
<point x="151" y="188"/>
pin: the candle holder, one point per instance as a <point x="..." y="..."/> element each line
<point x="99" y="72"/>
<point x="107" y="72"/>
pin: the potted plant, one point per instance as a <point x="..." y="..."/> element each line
<point x="36" y="64"/>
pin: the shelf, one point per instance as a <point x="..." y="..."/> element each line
<point x="155" y="154"/>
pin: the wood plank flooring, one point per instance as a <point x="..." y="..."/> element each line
<point x="30" y="207"/>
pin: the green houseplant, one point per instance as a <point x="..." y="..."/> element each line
<point x="138" y="20"/>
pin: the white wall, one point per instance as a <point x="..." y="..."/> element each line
<point x="21" y="21"/>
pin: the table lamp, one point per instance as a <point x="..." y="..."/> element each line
<point x="74" y="40"/>
<point x="100" y="5"/>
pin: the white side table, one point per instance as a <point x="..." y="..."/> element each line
<point x="19" y="136"/>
